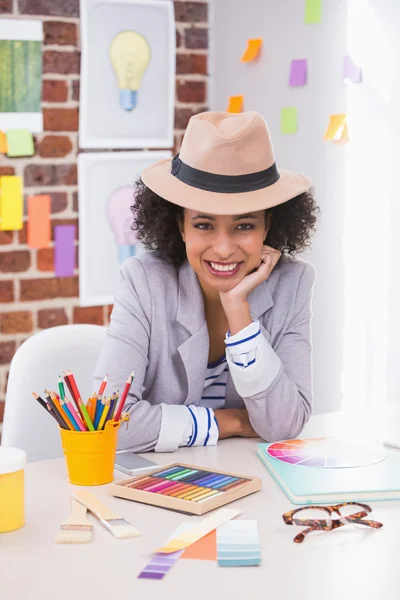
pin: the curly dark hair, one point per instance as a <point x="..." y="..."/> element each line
<point x="156" y="222"/>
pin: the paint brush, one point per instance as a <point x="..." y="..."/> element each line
<point x="76" y="529"/>
<point x="118" y="526"/>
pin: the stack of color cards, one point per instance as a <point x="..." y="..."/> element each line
<point x="238" y="544"/>
<point x="186" y="488"/>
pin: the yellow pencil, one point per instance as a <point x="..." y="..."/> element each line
<point x="103" y="415"/>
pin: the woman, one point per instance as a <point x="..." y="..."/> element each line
<point x="215" y="320"/>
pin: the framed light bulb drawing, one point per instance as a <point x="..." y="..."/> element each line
<point x="106" y="193"/>
<point x="127" y="88"/>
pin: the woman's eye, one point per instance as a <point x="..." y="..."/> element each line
<point x="245" y="226"/>
<point x="203" y="226"/>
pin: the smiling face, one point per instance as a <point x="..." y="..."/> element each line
<point x="222" y="250"/>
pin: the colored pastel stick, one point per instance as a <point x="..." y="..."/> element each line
<point x="75" y="414"/>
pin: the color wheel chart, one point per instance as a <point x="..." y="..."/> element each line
<point x="328" y="453"/>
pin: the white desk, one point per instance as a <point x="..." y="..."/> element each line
<point x="340" y="565"/>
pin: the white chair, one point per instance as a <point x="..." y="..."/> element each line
<point x="36" y="365"/>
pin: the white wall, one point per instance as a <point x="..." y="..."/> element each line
<point x="356" y="324"/>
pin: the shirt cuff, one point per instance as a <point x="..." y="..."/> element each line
<point x="186" y="426"/>
<point x="258" y="376"/>
<point x="242" y="346"/>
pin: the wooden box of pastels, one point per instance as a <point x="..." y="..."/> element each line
<point x="186" y="488"/>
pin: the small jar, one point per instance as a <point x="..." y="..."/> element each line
<point x="12" y="494"/>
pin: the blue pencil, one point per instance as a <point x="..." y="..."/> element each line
<point x="69" y="414"/>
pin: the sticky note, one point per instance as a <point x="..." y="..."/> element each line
<point x="335" y="127"/>
<point x="252" y="51"/>
<point x="298" y="72"/>
<point x="289" y="120"/>
<point x="39" y="229"/>
<point x="313" y="11"/>
<point x="11" y="203"/>
<point x="64" y="250"/>
<point x="20" y="142"/>
<point x="3" y="143"/>
<point x="342" y="135"/>
<point x="351" y="72"/>
<point x="235" y="104"/>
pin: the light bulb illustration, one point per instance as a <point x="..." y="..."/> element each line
<point x="120" y="217"/>
<point x="130" y="57"/>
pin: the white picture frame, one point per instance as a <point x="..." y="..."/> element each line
<point x="102" y="176"/>
<point x="119" y="38"/>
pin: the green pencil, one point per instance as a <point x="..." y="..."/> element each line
<point x="61" y="388"/>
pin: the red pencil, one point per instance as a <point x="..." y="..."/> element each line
<point x="102" y="386"/>
<point x="124" y="396"/>
<point x="73" y="389"/>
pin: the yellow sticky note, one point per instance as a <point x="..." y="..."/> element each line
<point x="3" y="143"/>
<point x="342" y="135"/>
<point x="20" y="143"/>
<point x="11" y="203"/>
<point x="335" y="127"/>
<point x="289" y="120"/>
<point x="252" y="50"/>
<point x="235" y="104"/>
<point x="313" y="11"/>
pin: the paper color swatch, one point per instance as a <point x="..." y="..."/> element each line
<point x="39" y="229"/>
<point x="238" y="544"/>
<point x="351" y="73"/>
<point x="3" y="143"/>
<point x="289" y="120"/>
<point x="64" y="250"/>
<point x="159" y="565"/>
<point x="337" y="128"/>
<point x="298" y="72"/>
<point x="235" y="104"/>
<point x="252" y="51"/>
<point x="11" y="203"/>
<point x="204" y="549"/>
<point x="199" y="530"/>
<point x="313" y="11"/>
<point x="20" y="143"/>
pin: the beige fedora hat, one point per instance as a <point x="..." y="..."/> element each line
<point x="226" y="166"/>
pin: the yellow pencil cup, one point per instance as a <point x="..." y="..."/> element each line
<point x="90" y="455"/>
<point x="12" y="493"/>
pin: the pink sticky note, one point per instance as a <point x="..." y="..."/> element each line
<point x="351" y="73"/>
<point x="64" y="250"/>
<point x="298" y="72"/>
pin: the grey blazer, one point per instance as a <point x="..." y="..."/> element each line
<point x="158" y="329"/>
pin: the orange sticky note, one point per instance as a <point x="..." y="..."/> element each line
<point x="39" y="231"/>
<point x="335" y="127"/>
<point x="203" y="549"/>
<point x="3" y="143"/>
<point x="252" y="51"/>
<point x="235" y="104"/>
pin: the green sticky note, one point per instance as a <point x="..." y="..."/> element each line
<point x="289" y="120"/>
<point x="313" y="11"/>
<point x="19" y="143"/>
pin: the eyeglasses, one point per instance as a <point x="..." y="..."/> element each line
<point x="319" y="518"/>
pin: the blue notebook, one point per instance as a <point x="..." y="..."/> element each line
<point x="312" y="485"/>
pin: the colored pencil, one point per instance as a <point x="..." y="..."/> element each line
<point x="57" y="414"/>
<point x="97" y="408"/>
<point x="61" y="387"/>
<point x="46" y="406"/>
<point x="103" y="386"/>
<point x="64" y="406"/>
<point x="104" y="415"/>
<point x="73" y="390"/>
<point x="113" y="402"/>
<point x="124" y="396"/>
<point x="75" y="414"/>
<point x="85" y="415"/>
<point x="61" y="411"/>
<point x="89" y="407"/>
<point x="99" y="412"/>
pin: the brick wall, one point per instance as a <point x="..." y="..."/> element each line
<point x="31" y="298"/>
